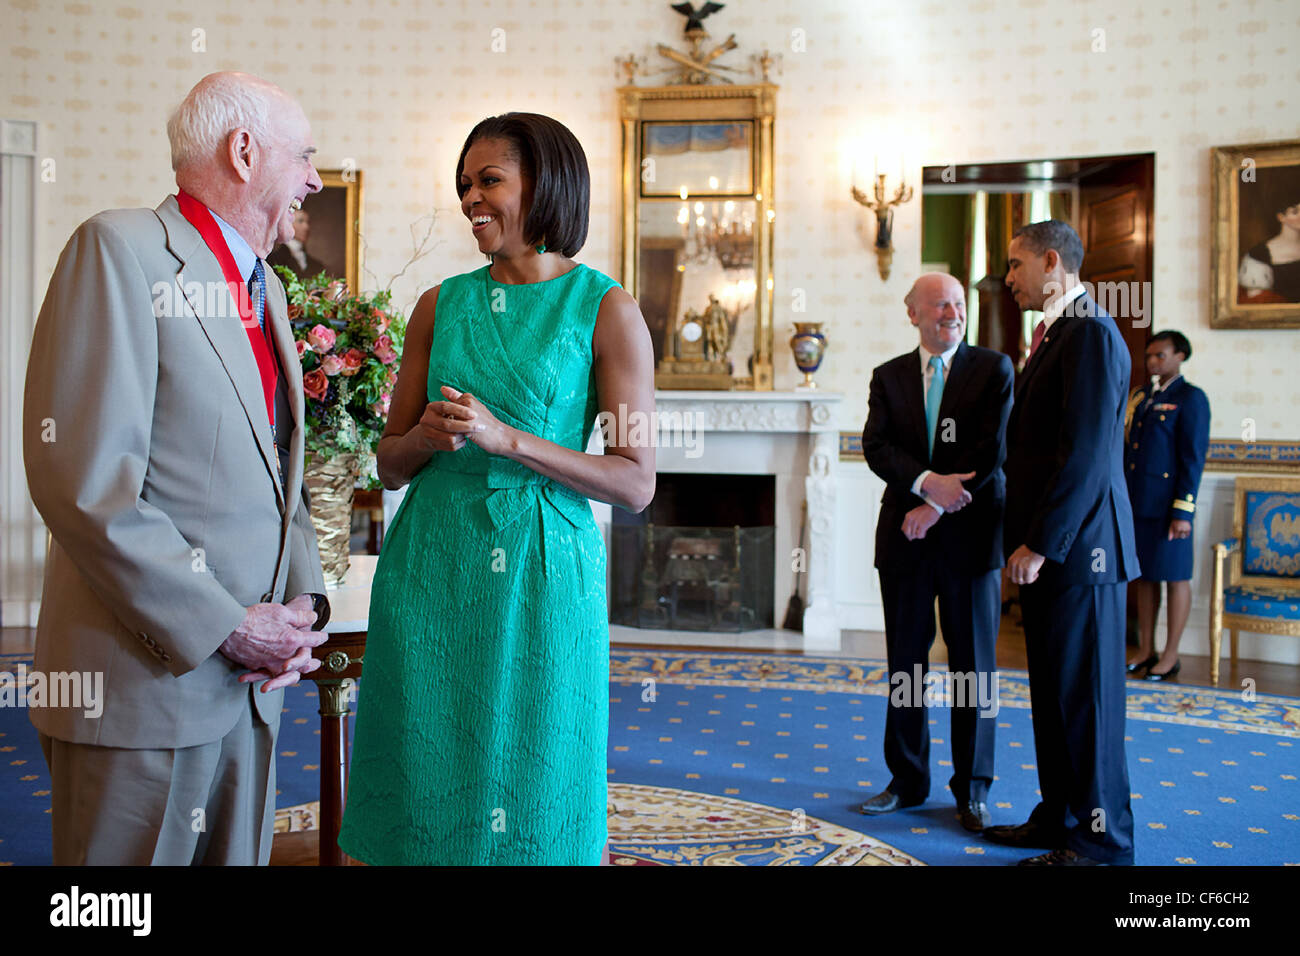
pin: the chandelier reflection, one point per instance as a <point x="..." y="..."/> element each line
<point x="716" y="230"/>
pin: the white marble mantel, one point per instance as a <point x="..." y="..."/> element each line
<point x="793" y="436"/>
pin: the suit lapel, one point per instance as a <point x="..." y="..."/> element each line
<point x="1040" y="356"/>
<point x="198" y="273"/>
<point x="913" y="390"/>
<point x="958" y="379"/>
<point x="277" y="310"/>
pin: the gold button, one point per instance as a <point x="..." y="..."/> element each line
<point x="1131" y="467"/>
<point x="1162" y="418"/>
<point x="1135" y="444"/>
<point x="1139" y="424"/>
<point x="1164" y="475"/>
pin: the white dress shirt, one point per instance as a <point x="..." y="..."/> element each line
<point x="927" y="375"/>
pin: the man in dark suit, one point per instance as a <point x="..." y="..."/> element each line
<point x="935" y="433"/>
<point x="293" y="252"/>
<point x="1069" y="535"/>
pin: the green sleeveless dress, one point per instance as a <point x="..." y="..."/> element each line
<point x="483" y="709"/>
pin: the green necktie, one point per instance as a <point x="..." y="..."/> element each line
<point x="933" y="398"/>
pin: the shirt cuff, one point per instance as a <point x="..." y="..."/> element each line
<point x="933" y="504"/>
<point x="920" y="480"/>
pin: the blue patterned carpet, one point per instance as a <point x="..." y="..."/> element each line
<point x="752" y="759"/>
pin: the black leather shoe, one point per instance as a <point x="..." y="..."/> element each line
<point x="1030" y="835"/>
<point x="1141" y="665"/>
<point x="1172" y="672"/>
<point x="974" y="815"/>
<point x="1061" y="857"/>
<point x="886" y="802"/>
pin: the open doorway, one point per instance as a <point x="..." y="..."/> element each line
<point x="969" y="213"/>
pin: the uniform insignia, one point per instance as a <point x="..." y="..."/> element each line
<point x="1165" y="408"/>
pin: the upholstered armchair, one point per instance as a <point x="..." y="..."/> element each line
<point x="1262" y="593"/>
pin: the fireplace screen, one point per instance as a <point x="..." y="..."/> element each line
<point x="692" y="578"/>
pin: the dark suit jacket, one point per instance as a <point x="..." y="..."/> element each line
<point x="1066" y="496"/>
<point x="1165" y="454"/>
<point x="977" y="398"/>
<point x="281" y="256"/>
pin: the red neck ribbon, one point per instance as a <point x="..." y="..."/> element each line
<point x="201" y="219"/>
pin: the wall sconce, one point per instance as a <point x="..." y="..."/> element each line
<point x="884" y="210"/>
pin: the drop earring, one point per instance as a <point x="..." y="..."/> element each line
<point x="541" y="247"/>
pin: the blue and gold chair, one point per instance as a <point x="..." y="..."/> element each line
<point x="1263" y="588"/>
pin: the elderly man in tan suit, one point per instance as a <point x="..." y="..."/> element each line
<point x="163" y="442"/>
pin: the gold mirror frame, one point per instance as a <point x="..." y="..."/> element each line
<point x="754" y="103"/>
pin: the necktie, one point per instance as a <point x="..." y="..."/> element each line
<point x="1039" y="330"/>
<point x="933" y="398"/>
<point x="257" y="289"/>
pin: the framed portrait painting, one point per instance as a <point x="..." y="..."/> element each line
<point x="327" y="231"/>
<point x="1256" y="234"/>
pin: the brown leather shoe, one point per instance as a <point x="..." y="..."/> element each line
<point x="886" y="801"/>
<point x="1027" y="836"/>
<point x="974" y="815"/>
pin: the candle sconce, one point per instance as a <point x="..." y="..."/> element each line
<point x="884" y="210"/>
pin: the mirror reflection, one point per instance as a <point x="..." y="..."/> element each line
<point x="697" y="284"/>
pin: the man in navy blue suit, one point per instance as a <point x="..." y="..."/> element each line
<point x="936" y="434"/>
<point x="1069" y="537"/>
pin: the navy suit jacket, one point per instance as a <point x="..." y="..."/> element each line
<point x="973" y="413"/>
<point x="1066" y="495"/>
<point x="1165" y="455"/>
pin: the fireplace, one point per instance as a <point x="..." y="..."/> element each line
<point x="700" y="558"/>
<point x="754" y="459"/>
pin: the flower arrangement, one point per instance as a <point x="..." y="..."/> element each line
<point x="350" y="345"/>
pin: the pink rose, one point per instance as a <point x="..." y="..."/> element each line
<point x="321" y="338"/>
<point x="384" y="349"/>
<point x="381" y="321"/>
<point x="314" y="384"/>
<point x="352" y="360"/>
<point x="331" y="364"/>
<point x="380" y="407"/>
<point x="302" y="347"/>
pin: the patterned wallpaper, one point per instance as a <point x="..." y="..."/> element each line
<point x="394" y="85"/>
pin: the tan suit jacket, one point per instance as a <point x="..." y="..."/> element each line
<point x="161" y="484"/>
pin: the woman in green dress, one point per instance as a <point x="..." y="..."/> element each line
<point x="483" y="716"/>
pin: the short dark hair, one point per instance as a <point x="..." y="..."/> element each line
<point x="553" y="158"/>
<point x="1054" y="234"/>
<point x="1176" y="339"/>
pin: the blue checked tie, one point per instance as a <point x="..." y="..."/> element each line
<point x="933" y="398"/>
<point x="257" y="289"/>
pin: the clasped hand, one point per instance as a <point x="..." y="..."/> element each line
<point x="947" y="490"/>
<point x="446" y="425"/>
<point x="275" y="642"/>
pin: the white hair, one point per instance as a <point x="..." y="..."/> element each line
<point x="219" y="104"/>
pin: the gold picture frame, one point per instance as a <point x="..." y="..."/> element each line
<point x="751" y="106"/>
<point x="1251" y="187"/>
<point x="334" y="242"/>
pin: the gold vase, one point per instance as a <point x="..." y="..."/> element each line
<point x="331" y="485"/>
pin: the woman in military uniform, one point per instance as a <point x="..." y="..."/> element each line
<point x="1167" y="436"/>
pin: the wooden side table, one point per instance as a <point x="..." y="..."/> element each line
<point x="336" y="679"/>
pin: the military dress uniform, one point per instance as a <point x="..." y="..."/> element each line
<point x="1165" y="445"/>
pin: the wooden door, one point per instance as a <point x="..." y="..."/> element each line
<point x="1116" y="202"/>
